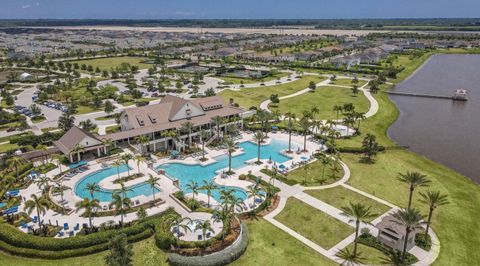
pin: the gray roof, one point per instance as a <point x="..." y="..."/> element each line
<point x="71" y="138"/>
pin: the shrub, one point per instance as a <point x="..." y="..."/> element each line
<point x="164" y="240"/>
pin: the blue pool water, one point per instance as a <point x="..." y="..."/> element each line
<point x="106" y="195"/>
<point x="185" y="173"/>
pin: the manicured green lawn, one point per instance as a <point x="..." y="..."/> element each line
<point x="235" y="80"/>
<point x="7" y="146"/>
<point x="270" y="245"/>
<point x="348" y="82"/>
<point x="313" y="224"/>
<point x="315" y="175"/>
<point x="371" y="255"/>
<point x="112" y="129"/>
<point x="340" y="197"/>
<point x="82" y="109"/>
<point x="113" y="62"/>
<point x="254" y="96"/>
<point x="324" y="98"/>
<point x="455" y="224"/>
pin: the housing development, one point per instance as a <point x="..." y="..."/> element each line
<point x="131" y="145"/>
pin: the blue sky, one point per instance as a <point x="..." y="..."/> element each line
<point x="237" y="9"/>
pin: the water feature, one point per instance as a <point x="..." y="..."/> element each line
<point x="105" y="195"/>
<point x="186" y="173"/>
<point x="443" y="130"/>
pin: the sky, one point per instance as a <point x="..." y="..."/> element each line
<point x="237" y="9"/>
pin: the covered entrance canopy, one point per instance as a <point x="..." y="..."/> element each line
<point x="77" y="141"/>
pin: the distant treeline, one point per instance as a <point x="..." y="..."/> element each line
<point x="464" y="24"/>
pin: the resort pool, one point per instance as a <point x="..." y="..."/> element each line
<point x="105" y="195"/>
<point x="185" y="173"/>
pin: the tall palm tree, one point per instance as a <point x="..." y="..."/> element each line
<point x="106" y="143"/>
<point x="222" y="215"/>
<point x="411" y="219"/>
<point x="433" y="199"/>
<point x="15" y="162"/>
<point x="290" y="126"/>
<point x="314" y="111"/>
<point x="258" y="136"/>
<point x="92" y="188"/>
<point x="413" y="180"/>
<point x="203" y="137"/>
<point x="350" y="258"/>
<point x="153" y="182"/>
<point x="188" y="127"/>
<point x="176" y="221"/>
<point x="205" y="226"/>
<point x="139" y="158"/>
<point x="193" y="186"/>
<point x="117" y="165"/>
<point x="217" y="121"/>
<point x="209" y="187"/>
<point x="337" y="109"/>
<point x="142" y="140"/>
<point x="305" y="124"/>
<point x="89" y="206"/>
<point x="126" y="158"/>
<point x="38" y="203"/>
<point x="168" y="134"/>
<point x="358" y="213"/>
<point x="43" y="183"/>
<point x="59" y="158"/>
<point x="230" y="145"/>
<point x="120" y="204"/>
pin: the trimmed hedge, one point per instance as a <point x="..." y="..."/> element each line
<point x="222" y="257"/>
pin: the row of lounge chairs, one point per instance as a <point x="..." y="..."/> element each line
<point x="72" y="173"/>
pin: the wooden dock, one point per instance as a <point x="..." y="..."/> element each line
<point x="425" y="95"/>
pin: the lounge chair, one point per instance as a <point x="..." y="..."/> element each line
<point x="65" y="226"/>
<point x="199" y="237"/>
<point x="71" y="233"/>
<point x="61" y="234"/>
<point x="77" y="227"/>
<point x="207" y="235"/>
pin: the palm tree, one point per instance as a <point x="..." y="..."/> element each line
<point x="59" y="158"/>
<point x="259" y="138"/>
<point x="117" y="164"/>
<point x="217" y="120"/>
<point x="176" y="221"/>
<point x="222" y="215"/>
<point x="120" y="204"/>
<point x="337" y="109"/>
<point x="126" y="158"/>
<point x="350" y="258"/>
<point x="153" y="182"/>
<point x="348" y="121"/>
<point x="203" y="137"/>
<point x="15" y="162"/>
<point x="305" y="124"/>
<point x="254" y="191"/>
<point x="169" y="134"/>
<point x="193" y="186"/>
<point x="411" y="219"/>
<point x="77" y="149"/>
<point x="139" y="158"/>
<point x="230" y="145"/>
<point x="89" y="206"/>
<point x="38" y="203"/>
<point x="325" y="161"/>
<point x="314" y="111"/>
<point x="92" y="188"/>
<point x="209" y="187"/>
<point x="142" y="140"/>
<point x="43" y="183"/>
<point x="358" y="213"/>
<point x="433" y="199"/>
<point x="413" y="179"/>
<point x="106" y="143"/>
<point x="205" y="226"/>
<point x="188" y="127"/>
<point x="290" y="127"/>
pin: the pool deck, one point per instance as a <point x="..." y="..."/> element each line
<point x="166" y="186"/>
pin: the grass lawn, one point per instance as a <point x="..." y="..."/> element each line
<point x="455" y="224"/>
<point x="371" y="255"/>
<point x="112" y="129"/>
<point x="324" y="98"/>
<point x="340" y="197"/>
<point x="270" y="245"/>
<point x="348" y="82"/>
<point x="7" y="146"/>
<point x="113" y="62"/>
<point x="82" y="109"/>
<point x="315" y="174"/>
<point x="254" y="96"/>
<point x="107" y="117"/>
<point x="235" y="80"/>
<point x="313" y="224"/>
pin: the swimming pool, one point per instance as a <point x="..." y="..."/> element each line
<point x="185" y="173"/>
<point x="105" y="195"/>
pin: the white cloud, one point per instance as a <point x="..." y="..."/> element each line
<point x="26" y="6"/>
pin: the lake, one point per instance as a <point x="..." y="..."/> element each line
<point x="443" y="130"/>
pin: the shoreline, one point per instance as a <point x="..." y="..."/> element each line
<point x="423" y="64"/>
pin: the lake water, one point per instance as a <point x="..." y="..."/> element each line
<point x="443" y="130"/>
